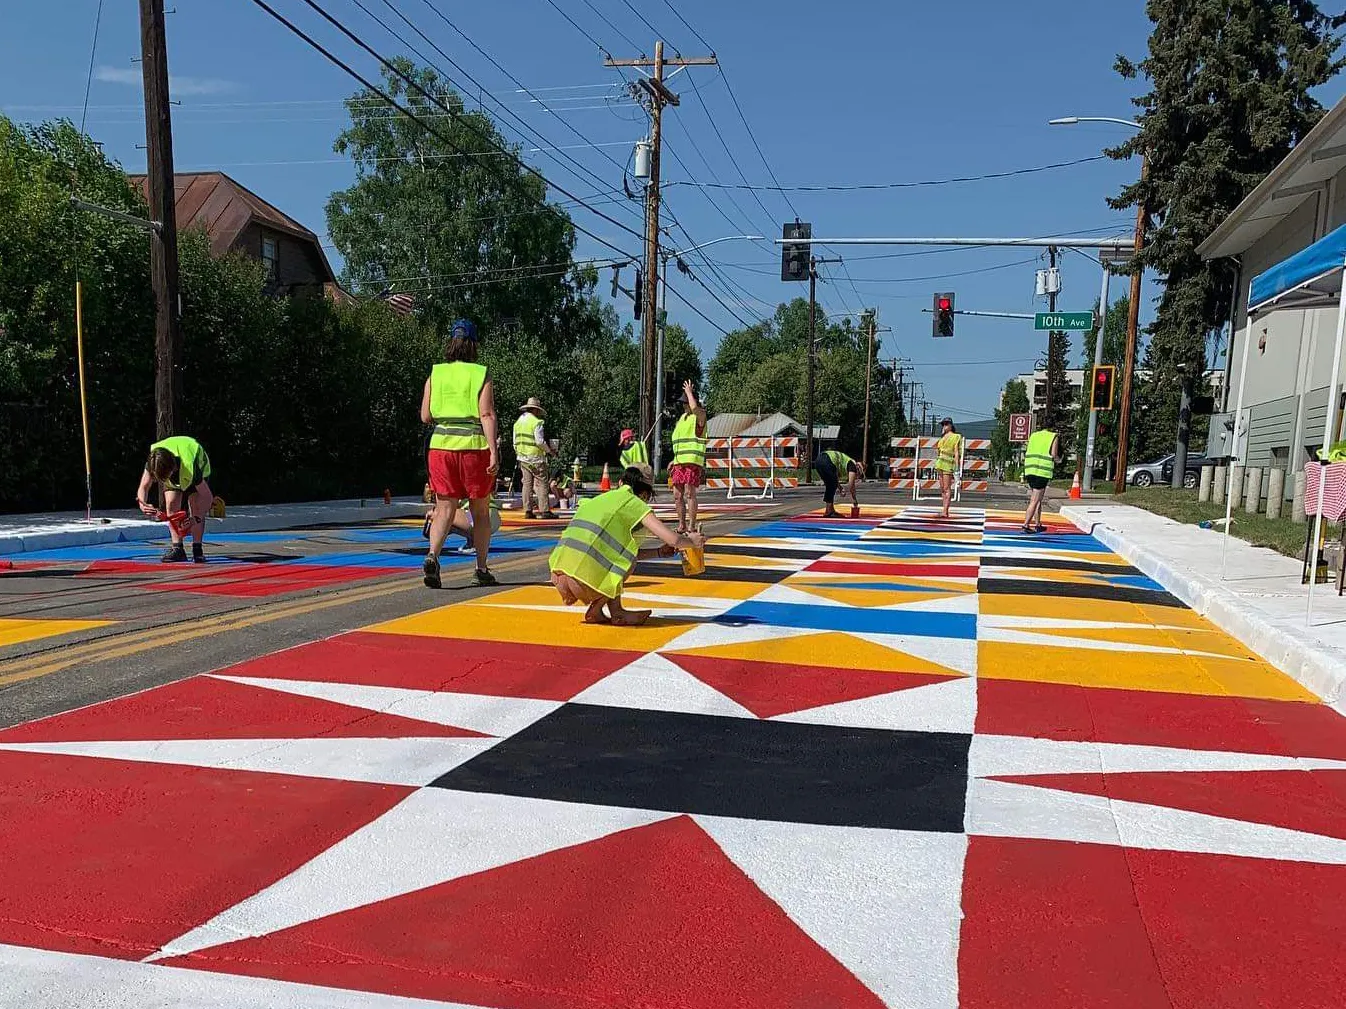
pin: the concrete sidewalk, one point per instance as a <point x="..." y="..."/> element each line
<point x="25" y="533"/>
<point x="1260" y="602"/>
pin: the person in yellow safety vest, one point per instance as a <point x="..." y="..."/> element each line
<point x="563" y="489"/>
<point x="1041" y="455"/>
<point x="689" y="458"/>
<point x="532" y="451"/>
<point x="462" y="522"/>
<point x="182" y="467"/>
<point x="830" y="465"/>
<point x="633" y="452"/>
<point x="598" y="550"/>
<point x="948" y="461"/>
<point x="463" y="455"/>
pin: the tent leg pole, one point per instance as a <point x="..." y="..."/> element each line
<point x="1329" y="422"/>
<point x="1238" y="417"/>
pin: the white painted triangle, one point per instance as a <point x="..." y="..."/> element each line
<point x="958" y="654"/>
<point x="655" y="683"/>
<point x="783" y="593"/>
<point x="1019" y="755"/>
<point x="433" y="836"/>
<point x="46" y="979"/>
<point x="495" y="716"/>
<point x="1001" y="620"/>
<point x="885" y="903"/>
<point x="1014" y="636"/>
<point x="1008" y="809"/>
<point x="708" y="635"/>
<point x="411" y="761"/>
<point x="950" y="706"/>
<point x="957" y="602"/>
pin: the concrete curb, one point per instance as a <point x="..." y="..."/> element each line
<point x="260" y="518"/>
<point x="1319" y="669"/>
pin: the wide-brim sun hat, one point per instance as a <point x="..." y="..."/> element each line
<point x="535" y="405"/>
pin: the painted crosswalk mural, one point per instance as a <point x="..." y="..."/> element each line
<point x="894" y="761"/>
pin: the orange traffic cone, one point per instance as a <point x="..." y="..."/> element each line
<point x="1075" y="487"/>
<point x="606" y="482"/>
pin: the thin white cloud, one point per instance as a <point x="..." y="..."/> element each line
<point x="179" y="87"/>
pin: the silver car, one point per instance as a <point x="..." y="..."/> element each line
<point x="1147" y="474"/>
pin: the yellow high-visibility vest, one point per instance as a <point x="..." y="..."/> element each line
<point x="598" y="547"/>
<point x="688" y="449"/>
<point x="525" y="438"/>
<point x="947" y="448"/>
<point x="193" y="463"/>
<point x="455" y="406"/>
<point x="636" y="453"/>
<point x="1038" y="455"/>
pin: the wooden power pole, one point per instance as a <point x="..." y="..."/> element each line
<point x="813" y="345"/>
<point x="164" y="238"/>
<point x="1132" y="327"/>
<point x="659" y="95"/>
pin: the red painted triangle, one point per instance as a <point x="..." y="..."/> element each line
<point x="1312" y="801"/>
<point x="652" y="916"/>
<point x="777" y="688"/>
<point x="207" y="708"/>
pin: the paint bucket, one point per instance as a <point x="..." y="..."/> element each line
<point x="179" y="522"/>
<point x="693" y="561"/>
<point x="855" y="511"/>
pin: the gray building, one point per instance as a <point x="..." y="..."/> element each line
<point x="1289" y="365"/>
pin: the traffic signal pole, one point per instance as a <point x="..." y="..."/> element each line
<point x="1087" y="478"/>
<point x="1132" y="327"/>
<point x="813" y="329"/>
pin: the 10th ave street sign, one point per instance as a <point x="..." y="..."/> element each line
<point x="1064" y="321"/>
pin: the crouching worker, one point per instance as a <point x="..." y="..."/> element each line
<point x="182" y="467"/>
<point x="598" y="549"/>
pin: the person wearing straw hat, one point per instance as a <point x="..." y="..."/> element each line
<point x="598" y="550"/>
<point x="532" y="450"/>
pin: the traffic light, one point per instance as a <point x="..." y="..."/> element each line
<point x="1101" y="396"/>
<point x="794" y="256"/>
<point x="943" y="322"/>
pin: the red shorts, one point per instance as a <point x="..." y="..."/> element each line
<point x="461" y="474"/>
<point x="684" y="474"/>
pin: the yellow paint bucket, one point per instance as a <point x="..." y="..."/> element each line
<point x="693" y="561"/>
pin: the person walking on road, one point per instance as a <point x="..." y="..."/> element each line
<point x="598" y="550"/>
<point x="464" y="456"/>
<point x="181" y="466"/>
<point x="831" y="466"/>
<point x="532" y="450"/>
<point x="689" y="458"/>
<point x="948" y="461"/>
<point x="633" y="452"/>
<point x="1041" y="455"/>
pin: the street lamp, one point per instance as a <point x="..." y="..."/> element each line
<point x="663" y="325"/>
<point x="1132" y="318"/>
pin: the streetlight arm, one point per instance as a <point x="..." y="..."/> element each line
<point x="1073" y="120"/>
<point x="717" y="241"/>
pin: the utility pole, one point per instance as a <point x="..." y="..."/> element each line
<point x="164" y="239"/>
<point x="924" y="404"/>
<point x="813" y="328"/>
<point x="1087" y="477"/>
<point x="869" y="362"/>
<point x="1132" y="325"/>
<point x="658" y="95"/>
<point x="1051" y="337"/>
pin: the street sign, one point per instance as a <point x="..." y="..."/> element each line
<point x="1064" y="321"/>
<point x="1020" y="427"/>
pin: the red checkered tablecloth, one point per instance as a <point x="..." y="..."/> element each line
<point x="1334" y="494"/>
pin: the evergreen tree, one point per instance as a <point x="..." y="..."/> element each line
<point x="1013" y="400"/>
<point x="1229" y="97"/>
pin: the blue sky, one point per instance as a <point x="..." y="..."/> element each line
<point x="850" y="92"/>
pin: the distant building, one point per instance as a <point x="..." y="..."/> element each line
<point x="776" y="425"/>
<point x="236" y="219"/>
<point x="1036" y="384"/>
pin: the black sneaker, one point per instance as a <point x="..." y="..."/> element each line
<point x="174" y="554"/>
<point x="530" y="514"/>
<point x="198" y="555"/>
<point x="430" y="569"/>
<point x="483" y="576"/>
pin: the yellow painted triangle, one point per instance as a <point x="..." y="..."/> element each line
<point x="1190" y="640"/>
<point x="830" y="648"/>
<point x="866" y="598"/>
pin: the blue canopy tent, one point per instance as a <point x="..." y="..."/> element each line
<point x="1311" y="278"/>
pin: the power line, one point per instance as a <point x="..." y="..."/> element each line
<point x="684" y="299"/>
<point x="699" y="37"/>
<point x="619" y="33"/>
<point x="734" y="161"/>
<point x="857" y="187"/>
<point x="653" y="30"/>
<point x="946" y="276"/>
<point x="753" y="137"/>
<point x="93" y="51"/>
<point x="338" y="62"/>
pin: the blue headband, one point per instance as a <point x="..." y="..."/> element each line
<point x="466" y="328"/>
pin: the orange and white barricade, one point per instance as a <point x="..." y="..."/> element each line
<point x="751" y="464"/>
<point x="916" y="472"/>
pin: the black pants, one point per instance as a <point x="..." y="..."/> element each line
<point x="828" y="472"/>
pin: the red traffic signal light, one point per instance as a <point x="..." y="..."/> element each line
<point x="943" y="312"/>
<point x="1101" y="396"/>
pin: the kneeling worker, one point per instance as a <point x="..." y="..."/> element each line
<point x="598" y="550"/>
<point x="831" y="465"/>
<point x="181" y="465"/>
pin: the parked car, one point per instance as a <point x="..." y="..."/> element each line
<point x="1160" y="471"/>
